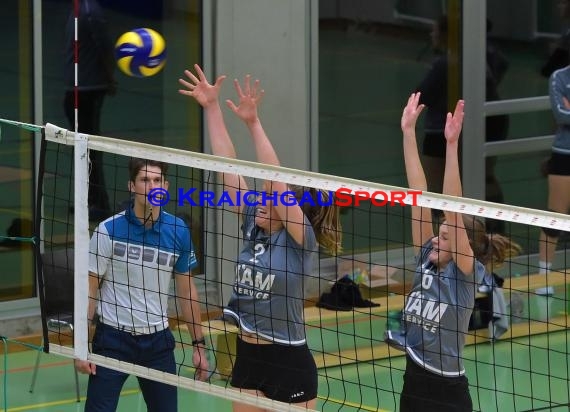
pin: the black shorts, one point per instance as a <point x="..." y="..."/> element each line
<point x="283" y="373"/>
<point x="559" y="164"/>
<point x="425" y="391"/>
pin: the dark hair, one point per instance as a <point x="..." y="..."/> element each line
<point x="489" y="248"/>
<point x="325" y="220"/>
<point x="136" y="164"/>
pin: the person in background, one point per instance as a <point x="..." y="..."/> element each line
<point x="96" y="80"/>
<point x="558" y="167"/>
<point x="559" y="56"/>
<point x="280" y="246"/>
<point x="554" y="168"/>
<point x="433" y="90"/>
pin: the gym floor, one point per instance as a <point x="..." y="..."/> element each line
<point x="512" y="375"/>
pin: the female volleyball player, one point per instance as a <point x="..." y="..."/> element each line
<point x="272" y="356"/>
<point x="558" y="168"/>
<point x="439" y="305"/>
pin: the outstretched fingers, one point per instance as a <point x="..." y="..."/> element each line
<point x="189" y="86"/>
<point x="249" y="97"/>
<point x="248" y="90"/>
<point x="201" y="74"/>
<point x="192" y="79"/>
<point x="237" y="86"/>
<point x="198" y="87"/>
<point x="245" y="91"/>
<point x="257" y="92"/>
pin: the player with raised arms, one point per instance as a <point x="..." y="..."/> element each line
<point x="439" y="305"/>
<point x="278" y="255"/>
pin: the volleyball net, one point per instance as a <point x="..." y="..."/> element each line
<point x="350" y="300"/>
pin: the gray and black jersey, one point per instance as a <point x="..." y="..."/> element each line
<point x="436" y="314"/>
<point x="268" y="293"/>
<point x="559" y="89"/>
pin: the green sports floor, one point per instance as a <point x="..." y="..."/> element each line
<point x="503" y="378"/>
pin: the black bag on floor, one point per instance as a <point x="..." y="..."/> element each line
<point x="344" y="295"/>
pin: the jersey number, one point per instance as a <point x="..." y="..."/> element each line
<point x="259" y="249"/>
<point x="427" y="280"/>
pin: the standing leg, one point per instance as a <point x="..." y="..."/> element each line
<point x="157" y="352"/>
<point x="558" y="201"/>
<point x="104" y="388"/>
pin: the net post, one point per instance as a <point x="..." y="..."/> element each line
<point x="81" y="249"/>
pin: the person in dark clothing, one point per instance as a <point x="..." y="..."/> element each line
<point x="557" y="167"/>
<point x="434" y="95"/>
<point x="434" y="92"/>
<point x="96" y="65"/>
<point x="559" y="57"/>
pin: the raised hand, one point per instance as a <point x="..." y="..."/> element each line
<point x="199" y="88"/>
<point x="411" y="112"/>
<point x="249" y="98"/>
<point x="454" y="123"/>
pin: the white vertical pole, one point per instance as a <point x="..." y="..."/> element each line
<point x="81" y="240"/>
<point x="81" y="218"/>
<point x="313" y="59"/>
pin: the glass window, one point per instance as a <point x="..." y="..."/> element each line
<point x="143" y="109"/>
<point x="146" y="109"/>
<point x="520" y="181"/>
<point x="16" y="156"/>
<point x="372" y="56"/>
<point x="532" y="40"/>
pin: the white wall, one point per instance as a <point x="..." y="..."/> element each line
<point x="269" y="39"/>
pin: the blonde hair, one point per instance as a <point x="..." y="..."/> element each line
<point x="490" y="249"/>
<point x="324" y="217"/>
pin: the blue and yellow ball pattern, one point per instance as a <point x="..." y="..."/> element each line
<point x="141" y="52"/>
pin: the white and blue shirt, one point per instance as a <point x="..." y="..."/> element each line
<point x="136" y="264"/>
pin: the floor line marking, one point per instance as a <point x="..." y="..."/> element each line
<point x="63" y="402"/>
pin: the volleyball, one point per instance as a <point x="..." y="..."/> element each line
<point x="141" y="52"/>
